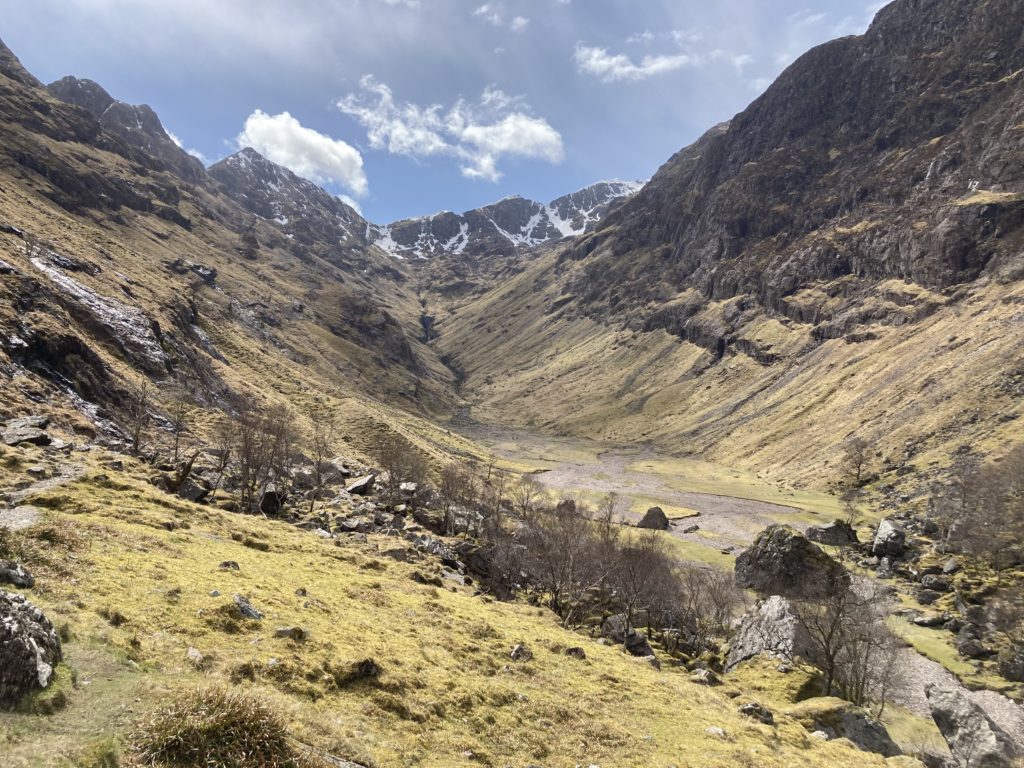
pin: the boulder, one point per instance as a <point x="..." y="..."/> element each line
<point x="769" y="627"/>
<point x="973" y="738"/>
<point x="408" y="490"/>
<point x="636" y="645"/>
<point x="193" y="492"/>
<point x="576" y="653"/>
<point x="890" y="539"/>
<point x="705" y="677"/>
<point x="16" y="575"/>
<point x="783" y="562"/>
<point x="271" y="501"/>
<point x="757" y="712"/>
<point x="656" y="519"/>
<point x="837" y="534"/>
<point x="20" y="435"/>
<point x="935" y="583"/>
<point x="361" y="486"/>
<point x="1011" y="662"/>
<point x="29" y="649"/>
<point x="841" y="719"/>
<point x="246" y="609"/>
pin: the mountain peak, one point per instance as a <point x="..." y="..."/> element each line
<point x="11" y="66"/>
<point x="502" y="227"/>
<point x="137" y="124"/>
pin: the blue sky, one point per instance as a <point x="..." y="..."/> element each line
<point x="408" y="107"/>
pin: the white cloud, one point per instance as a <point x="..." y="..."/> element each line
<point x="490" y="13"/>
<point x="308" y="153"/>
<point x="641" y="37"/>
<point x="611" y="68"/>
<point x="477" y="135"/>
<point x="495" y="15"/>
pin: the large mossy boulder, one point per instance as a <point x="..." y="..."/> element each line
<point x="781" y="561"/>
<point x="29" y="649"/>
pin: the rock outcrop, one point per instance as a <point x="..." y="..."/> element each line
<point x="973" y="738"/>
<point x="783" y="562"/>
<point x="29" y="649"/>
<point x="769" y="627"/>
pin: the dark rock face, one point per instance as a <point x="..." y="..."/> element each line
<point x="820" y="181"/>
<point x="318" y="223"/>
<point x="782" y="562"/>
<point x="972" y="737"/>
<point x="837" y="534"/>
<point x="29" y="649"/>
<point x="655" y="519"/>
<point x="137" y="125"/>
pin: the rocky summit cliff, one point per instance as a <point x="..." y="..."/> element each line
<point x="504" y="227"/>
<point x="895" y="154"/>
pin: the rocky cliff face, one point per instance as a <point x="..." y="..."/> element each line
<point x="138" y="125"/>
<point x="895" y="154"/>
<point x="505" y="227"/>
<point x="313" y="221"/>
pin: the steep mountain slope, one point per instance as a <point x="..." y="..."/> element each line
<point x="115" y="265"/>
<point x="845" y="256"/>
<point x="502" y="227"/>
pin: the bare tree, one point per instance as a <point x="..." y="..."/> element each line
<point x="178" y="414"/>
<point x="525" y="494"/>
<point x="322" y="449"/>
<point x="403" y="463"/>
<point x="453" y="489"/>
<point x="641" y="566"/>
<point x="856" y="457"/>
<point x="850" y="644"/>
<point x="137" y="410"/>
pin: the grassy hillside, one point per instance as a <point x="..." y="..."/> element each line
<point x="134" y="597"/>
<point x="915" y="389"/>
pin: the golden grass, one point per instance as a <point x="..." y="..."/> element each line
<point x="447" y="695"/>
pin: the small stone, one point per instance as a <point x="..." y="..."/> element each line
<point x="194" y="657"/>
<point x="521" y="653"/>
<point x="292" y="633"/>
<point x="715" y="732"/>
<point x="246" y="608"/>
<point x="576" y="653"/>
<point x="705" y="677"/>
<point x="229" y="565"/>
<point x="214" y="593"/>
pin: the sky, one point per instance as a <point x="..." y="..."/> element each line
<point x="409" y="107"/>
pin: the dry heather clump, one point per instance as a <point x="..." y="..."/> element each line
<point x="215" y="727"/>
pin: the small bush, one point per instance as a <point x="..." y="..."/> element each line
<point x="216" y="727"/>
